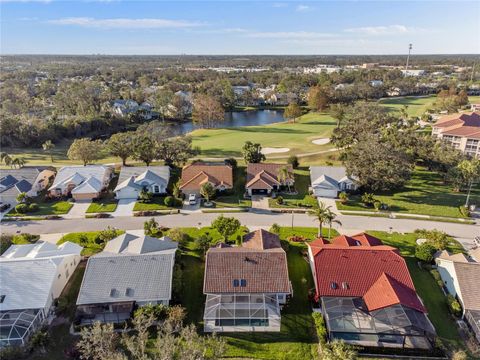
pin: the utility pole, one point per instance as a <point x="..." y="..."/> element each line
<point x="473" y="71"/>
<point x="408" y="57"/>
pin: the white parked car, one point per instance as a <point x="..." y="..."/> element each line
<point x="192" y="199"/>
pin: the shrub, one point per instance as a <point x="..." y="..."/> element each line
<point x="169" y="201"/>
<point x="368" y="199"/>
<point x="21" y="208"/>
<point x="145" y="196"/>
<point x="459" y="355"/>
<point x="33" y="207"/>
<point x="25" y="238"/>
<point x="279" y="200"/>
<point x="320" y="327"/>
<point x="464" y="211"/>
<point x="293" y="160"/>
<point x="179" y="236"/>
<point x="454" y="306"/>
<point x="377" y="204"/>
<point x="424" y="252"/>
<point x="296" y="238"/>
<point x="436" y="275"/>
<point x="53" y="217"/>
<point x="275" y="228"/>
<point x="158" y="311"/>
<point x="343" y="196"/>
<point x="232" y="162"/>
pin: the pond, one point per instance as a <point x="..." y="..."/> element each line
<point x="240" y="118"/>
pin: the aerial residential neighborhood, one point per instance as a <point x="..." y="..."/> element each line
<point x="291" y="180"/>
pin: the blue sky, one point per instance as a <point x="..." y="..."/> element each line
<point x="231" y="27"/>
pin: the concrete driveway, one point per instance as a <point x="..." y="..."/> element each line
<point x="78" y="210"/>
<point x="329" y="202"/>
<point x="124" y="207"/>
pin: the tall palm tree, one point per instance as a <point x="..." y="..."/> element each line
<point x="18" y="161"/>
<point x="284" y="176"/>
<point x="320" y="214"/>
<point x="331" y="219"/>
<point x="48" y="146"/>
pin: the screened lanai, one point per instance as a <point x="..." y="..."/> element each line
<point x="392" y="326"/>
<point x="16" y="326"/>
<point x="242" y="312"/>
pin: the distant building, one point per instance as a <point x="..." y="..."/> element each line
<point x="461" y="130"/>
<point x="32" y="277"/>
<point x="322" y="68"/>
<point x="412" y="72"/>
<point x="376" y="83"/>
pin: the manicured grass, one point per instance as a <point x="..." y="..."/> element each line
<point x="425" y="194"/>
<point x="309" y="233"/>
<point x="88" y="239"/>
<point x="102" y="206"/>
<point x="302" y="198"/>
<point x="296" y="136"/>
<point x="46" y="208"/>
<point x="213" y="233"/>
<point x="157" y="203"/>
<point x="431" y="294"/>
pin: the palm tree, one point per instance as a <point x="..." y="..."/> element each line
<point x="320" y="213"/>
<point x="284" y="176"/>
<point x="18" y="161"/>
<point x="331" y="219"/>
<point x="6" y="158"/>
<point x="48" y="146"/>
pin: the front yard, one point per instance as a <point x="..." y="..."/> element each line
<point x="157" y="203"/>
<point x="234" y="198"/>
<point x="45" y="208"/>
<point x="102" y="206"/>
<point x="300" y="200"/>
<point x="424" y="194"/>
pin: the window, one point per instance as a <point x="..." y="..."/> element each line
<point x="156" y="189"/>
<point x="235" y="283"/>
<point x="2" y="297"/>
<point x="243" y="282"/>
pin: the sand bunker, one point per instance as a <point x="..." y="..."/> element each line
<point x="322" y="141"/>
<point x="270" y="150"/>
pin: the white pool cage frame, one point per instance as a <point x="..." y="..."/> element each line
<point x="16" y="326"/>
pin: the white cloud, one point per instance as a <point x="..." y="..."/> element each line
<point x="303" y="8"/>
<point x="290" y="35"/>
<point x="125" y="23"/>
<point x="279" y="5"/>
<point x="383" y="30"/>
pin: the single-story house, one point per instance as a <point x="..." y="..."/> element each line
<point x="220" y="175"/>
<point x="366" y="294"/>
<point x="29" y="180"/>
<point x="329" y="181"/>
<point x="264" y="178"/>
<point x="133" y="179"/>
<point x="32" y="277"/>
<point x="82" y="182"/>
<point x="246" y="286"/>
<point x="461" y="277"/>
<point x="132" y="270"/>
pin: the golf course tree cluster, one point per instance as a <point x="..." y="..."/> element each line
<point x="381" y="148"/>
<point x="151" y="141"/>
<point x="252" y="153"/>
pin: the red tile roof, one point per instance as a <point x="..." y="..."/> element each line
<point x="195" y="175"/>
<point x="264" y="175"/>
<point x="356" y="240"/>
<point x="261" y="240"/>
<point x="462" y="124"/>
<point x="343" y="270"/>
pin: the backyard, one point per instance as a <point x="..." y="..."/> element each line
<point x="425" y="193"/>
<point x="90" y="240"/>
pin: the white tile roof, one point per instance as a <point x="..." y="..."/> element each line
<point x="91" y="185"/>
<point x="155" y="174"/>
<point x="100" y="172"/>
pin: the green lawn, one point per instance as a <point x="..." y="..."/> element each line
<point x="425" y="284"/>
<point x="302" y="198"/>
<point x="46" y="208"/>
<point x="425" y="194"/>
<point x="297" y="136"/>
<point x="88" y="239"/>
<point x="102" y="206"/>
<point x="157" y="203"/>
<point x="234" y="198"/>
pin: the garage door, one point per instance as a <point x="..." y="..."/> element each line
<point x="326" y="193"/>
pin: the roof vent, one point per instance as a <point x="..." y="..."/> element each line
<point x="243" y="282"/>
<point x="111" y="261"/>
<point x="334" y="285"/>
<point x="236" y="283"/>
<point x="345" y="286"/>
<point x="129" y="292"/>
<point x="113" y="292"/>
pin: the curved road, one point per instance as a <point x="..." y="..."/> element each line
<point x="350" y="224"/>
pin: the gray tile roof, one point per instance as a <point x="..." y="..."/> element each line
<point x="468" y="276"/>
<point x="162" y="172"/>
<point x="335" y="172"/>
<point x="118" y="278"/>
<point x="97" y="171"/>
<point x="128" y="243"/>
<point x="26" y="176"/>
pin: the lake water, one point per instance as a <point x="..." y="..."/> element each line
<point x="240" y="118"/>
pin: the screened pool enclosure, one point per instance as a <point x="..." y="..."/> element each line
<point x="16" y="326"/>
<point x="392" y="326"/>
<point x="242" y="312"/>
